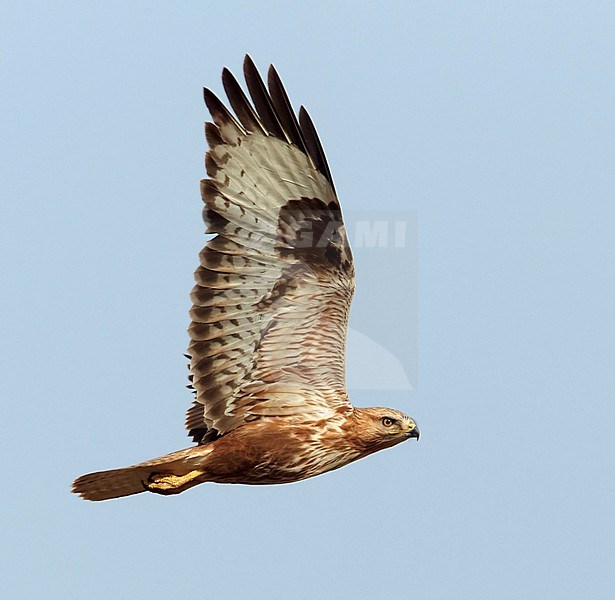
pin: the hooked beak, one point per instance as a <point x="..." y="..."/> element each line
<point x="414" y="433"/>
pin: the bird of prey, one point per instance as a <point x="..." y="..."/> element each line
<point x="269" y="313"/>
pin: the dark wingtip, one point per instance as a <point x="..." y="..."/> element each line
<point x="284" y="109"/>
<point x="262" y="100"/>
<point x="240" y="103"/>
<point x="220" y="114"/>
<point x="269" y="111"/>
<point x="314" y="147"/>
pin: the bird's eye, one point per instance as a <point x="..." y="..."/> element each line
<point x="387" y="421"/>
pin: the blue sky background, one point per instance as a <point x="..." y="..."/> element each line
<point x="491" y="122"/>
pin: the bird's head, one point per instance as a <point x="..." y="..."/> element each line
<point x="380" y="428"/>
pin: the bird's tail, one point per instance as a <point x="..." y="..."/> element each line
<point x="116" y="483"/>
<point x="112" y="484"/>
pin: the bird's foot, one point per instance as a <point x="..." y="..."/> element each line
<point x="165" y="483"/>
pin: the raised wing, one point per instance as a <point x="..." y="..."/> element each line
<point x="274" y="286"/>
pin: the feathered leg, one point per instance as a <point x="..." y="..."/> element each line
<point x="173" y="484"/>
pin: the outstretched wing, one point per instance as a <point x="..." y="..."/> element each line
<point x="274" y="286"/>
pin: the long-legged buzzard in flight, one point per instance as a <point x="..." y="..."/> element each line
<point x="269" y="314"/>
